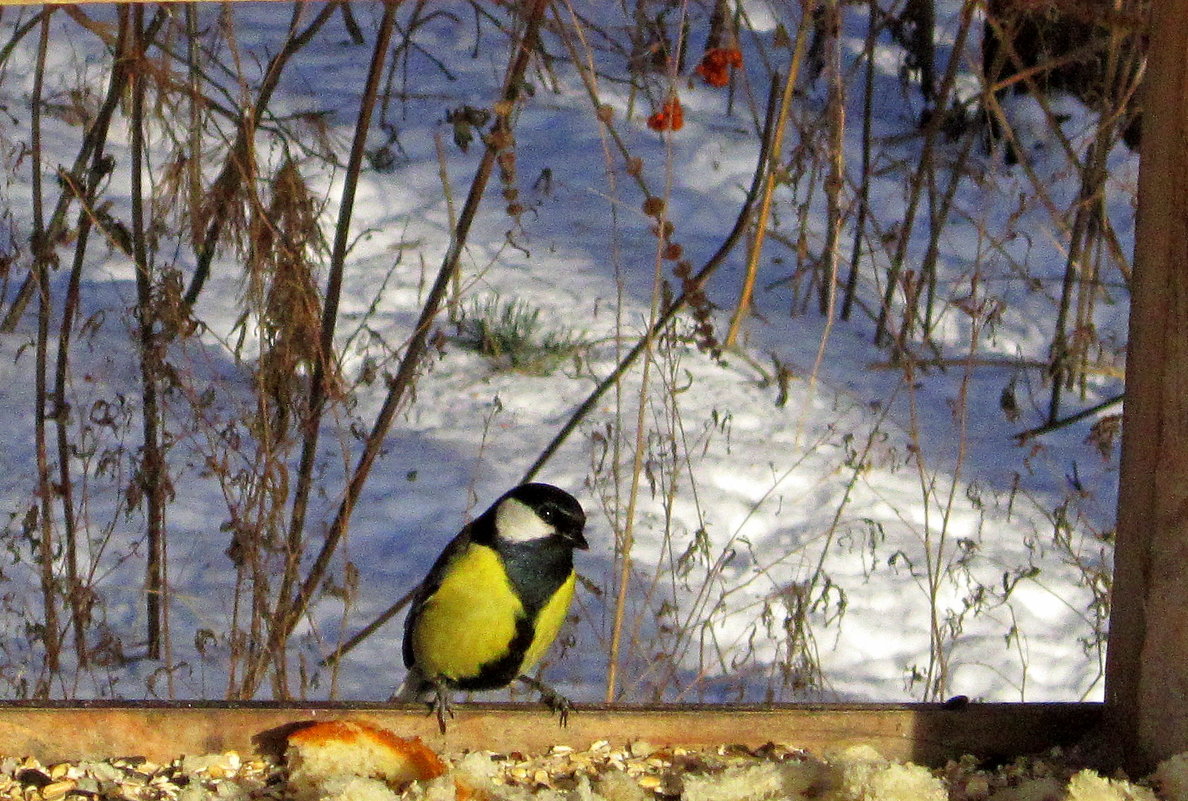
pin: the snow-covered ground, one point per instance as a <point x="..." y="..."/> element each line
<point x="877" y="534"/>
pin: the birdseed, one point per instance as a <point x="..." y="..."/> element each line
<point x="661" y="773"/>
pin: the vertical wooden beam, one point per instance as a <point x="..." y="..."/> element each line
<point x="1147" y="662"/>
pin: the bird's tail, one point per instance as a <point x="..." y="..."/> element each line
<point x="415" y="687"/>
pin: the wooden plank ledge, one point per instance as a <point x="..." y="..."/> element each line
<point x="924" y="733"/>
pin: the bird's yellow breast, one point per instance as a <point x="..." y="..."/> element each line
<point x="549" y="621"/>
<point x="470" y="620"/>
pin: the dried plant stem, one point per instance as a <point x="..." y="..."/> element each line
<point x="679" y="303"/>
<point x="1064" y="422"/>
<point x="624" y="545"/>
<point x="51" y="635"/>
<point x="289" y="608"/>
<point x="76" y="592"/>
<point x="152" y="465"/>
<point x="401" y="382"/>
<point x="1070" y="354"/>
<point x="835" y="181"/>
<point x="195" y="111"/>
<point x="55" y="225"/>
<point x="940" y="217"/>
<point x="833" y="187"/>
<point x="743" y="306"/>
<point x="924" y="174"/>
<point x="454" y="312"/>
<point x="868" y="53"/>
<point x="226" y="185"/>
<point x="626" y="540"/>
<point x="369" y="629"/>
<point x="937" y="539"/>
<point x="625" y="537"/>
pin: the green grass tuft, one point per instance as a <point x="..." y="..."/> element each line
<point x="511" y="334"/>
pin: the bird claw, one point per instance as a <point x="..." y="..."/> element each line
<point x="440" y="704"/>
<point x="560" y="705"/>
<point x="555" y="701"/>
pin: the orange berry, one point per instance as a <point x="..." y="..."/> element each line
<point x="670" y="117"/>
<point x="716" y="64"/>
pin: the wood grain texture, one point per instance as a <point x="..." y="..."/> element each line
<point x="924" y="733"/>
<point x="1147" y="664"/>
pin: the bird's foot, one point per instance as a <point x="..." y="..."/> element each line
<point x="555" y="701"/>
<point x="440" y="703"/>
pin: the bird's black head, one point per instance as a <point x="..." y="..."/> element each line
<point x="537" y="511"/>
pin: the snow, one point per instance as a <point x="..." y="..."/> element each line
<point x="875" y="506"/>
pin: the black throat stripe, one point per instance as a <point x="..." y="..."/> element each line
<point x="537" y="569"/>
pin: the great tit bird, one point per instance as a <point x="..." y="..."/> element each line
<point x="494" y="600"/>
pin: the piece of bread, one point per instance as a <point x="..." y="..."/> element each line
<point x="324" y="757"/>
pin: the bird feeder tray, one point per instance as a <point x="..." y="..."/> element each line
<point x="926" y="734"/>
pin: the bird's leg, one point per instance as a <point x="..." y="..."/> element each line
<point x="554" y="700"/>
<point x="441" y="704"/>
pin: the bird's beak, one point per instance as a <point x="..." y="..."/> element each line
<point x="576" y="538"/>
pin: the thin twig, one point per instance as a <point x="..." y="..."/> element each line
<point x="453" y="311"/>
<point x="288" y="608"/>
<point x="225" y="187"/>
<point x="75" y="590"/>
<point x="401" y="382"/>
<point x="625" y="537"/>
<point x="864" y="189"/>
<point x="41" y="256"/>
<point x="940" y="217"/>
<point x="369" y="629"/>
<point x="679" y="303"/>
<point x="742" y="308"/>
<point x="1064" y="422"/>
<point x="836" y="179"/>
<point x="833" y="187"/>
<point x="152" y="467"/>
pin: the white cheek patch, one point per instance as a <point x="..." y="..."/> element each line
<point x="516" y="522"/>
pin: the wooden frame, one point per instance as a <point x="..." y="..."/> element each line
<point x="1147" y="657"/>
<point x="924" y="733"/>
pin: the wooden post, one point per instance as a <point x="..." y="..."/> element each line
<point x="1147" y="662"/>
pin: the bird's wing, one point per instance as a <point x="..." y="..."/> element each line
<point x="429" y="586"/>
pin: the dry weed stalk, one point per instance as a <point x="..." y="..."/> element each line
<point x="153" y="476"/>
<point x="791" y="78"/>
<point x="292" y="607"/>
<point x="50" y="634"/>
<point x="288" y="608"/>
<point x="220" y="206"/>
<point x="280" y="276"/>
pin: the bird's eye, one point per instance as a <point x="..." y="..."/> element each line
<point x="546" y="514"/>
